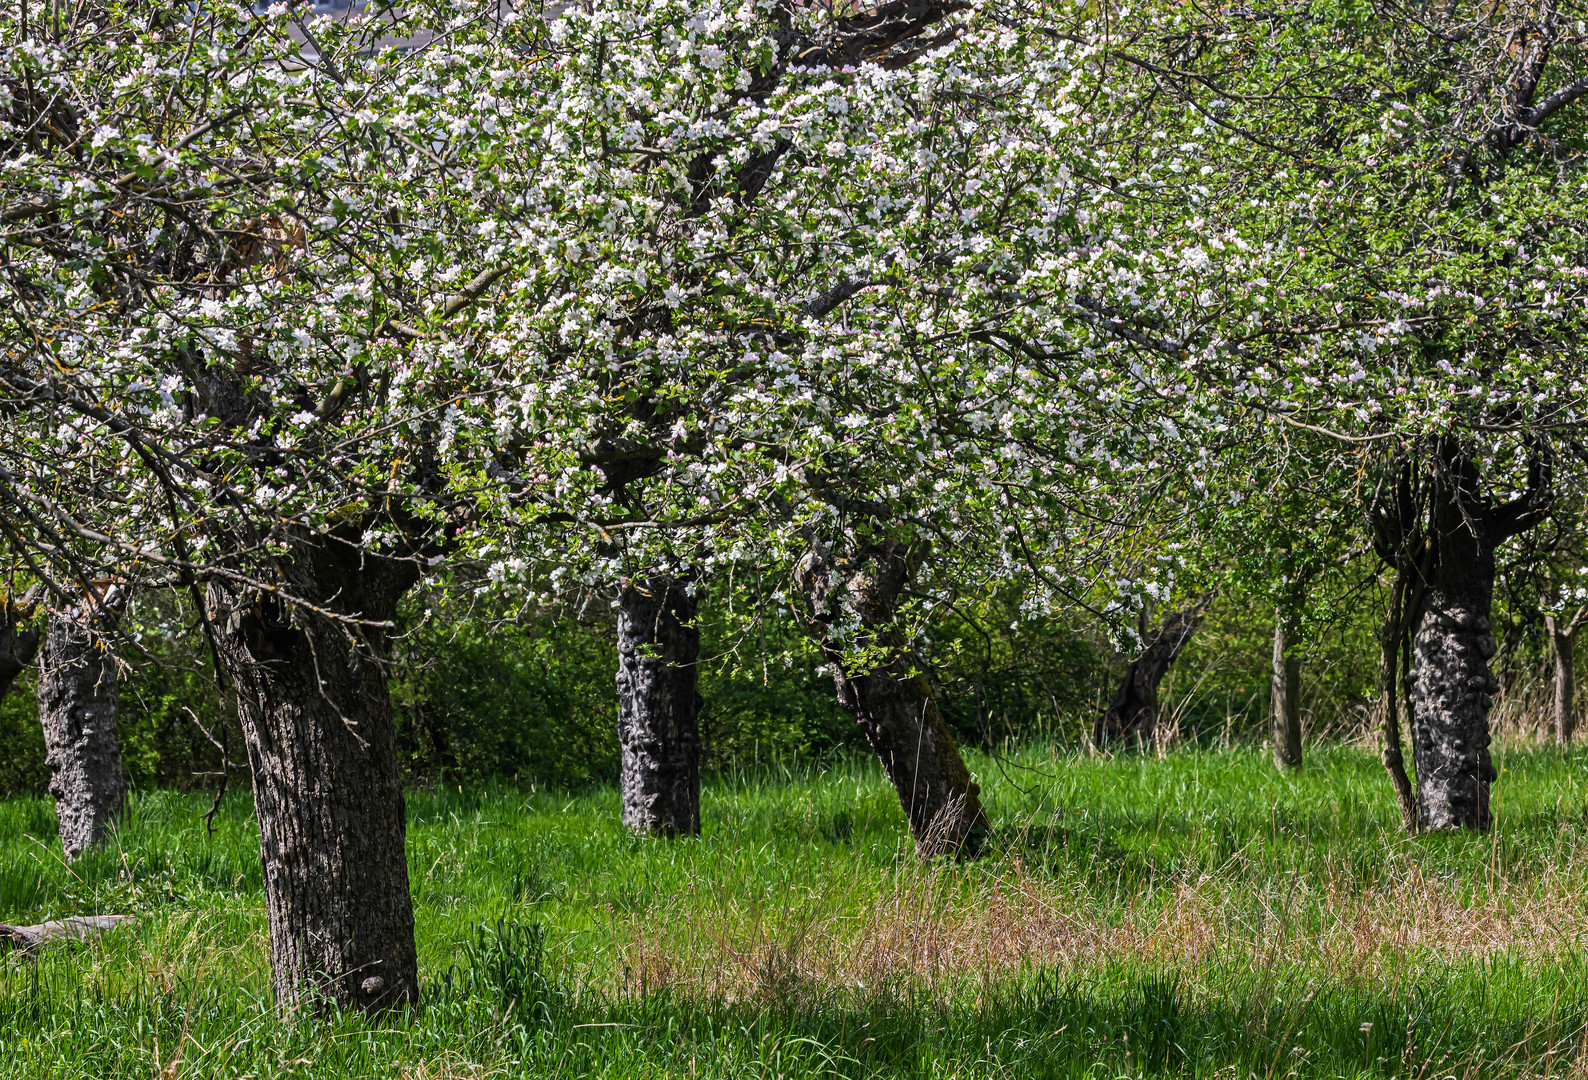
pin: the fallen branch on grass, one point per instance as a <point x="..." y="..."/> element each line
<point x="27" y="938"/>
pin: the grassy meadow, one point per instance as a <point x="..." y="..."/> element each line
<point x="1192" y="915"/>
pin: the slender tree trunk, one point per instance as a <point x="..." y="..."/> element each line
<point x="852" y="602"/>
<point x="1287" y="704"/>
<point x="658" y="706"/>
<point x="1564" y="639"/>
<point x="1133" y="713"/>
<point x="1389" y="688"/>
<point x="316" y="716"/>
<point x="19" y="642"/>
<point x="77" y="710"/>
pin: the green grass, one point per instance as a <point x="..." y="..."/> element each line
<point x="1194" y="915"/>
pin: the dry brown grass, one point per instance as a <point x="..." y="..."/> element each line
<point x="922" y="935"/>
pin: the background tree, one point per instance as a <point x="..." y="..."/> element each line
<point x="1133" y="713"/>
<point x="19" y="639"/>
<point x="1286" y="707"/>
<point x="1389" y="288"/>
<point x="77" y="690"/>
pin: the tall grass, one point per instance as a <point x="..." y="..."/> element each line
<point x="1194" y="914"/>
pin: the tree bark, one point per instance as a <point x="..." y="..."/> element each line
<point x="1287" y="704"/>
<point x="1451" y="686"/>
<point x="316" y="717"/>
<point x="1563" y="638"/>
<point x="19" y="642"/>
<point x="1133" y="713"/>
<point x="851" y="602"/>
<point x="77" y="710"/>
<point x="658" y="706"/>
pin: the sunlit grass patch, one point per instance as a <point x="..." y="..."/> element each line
<point x="1198" y="914"/>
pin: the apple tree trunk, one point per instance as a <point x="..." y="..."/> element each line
<point x="658" y="708"/>
<point x="317" y="721"/>
<point x="77" y="710"/>
<point x="1450" y="684"/>
<point x="1563" y="639"/>
<point x="1133" y="712"/>
<point x="852" y="601"/>
<point x="1287" y="704"/>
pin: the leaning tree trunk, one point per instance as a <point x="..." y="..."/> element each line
<point x="1287" y="704"/>
<point x="317" y="720"/>
<point x="19" y="641"/>
<point x="658" y="706"/>
<point x="1133" y="713"/>
<point x="1563" y="637"/>
<point x="77" y="710"/>
<point x="852" y="601"/>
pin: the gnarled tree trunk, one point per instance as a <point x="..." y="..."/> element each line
<point x="658" y="706"/>
<point x="852" y="601"/>
<point x="316" y="716"/>
<point x="1133" y="713"/>
<point x="1287" y="704"/>
<point x="1451" y="686"/>
<point x="77" y="710"/>
<point x="1563" y="639"/>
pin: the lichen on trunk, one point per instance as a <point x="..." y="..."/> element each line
<point x="77" y="695"/>
<point x="851" y="605"/>
<point x="1450" y="686"/>
<point x="1450" y="695"/>
<point x="658" y="707"/>
<point x="317" y="720"/>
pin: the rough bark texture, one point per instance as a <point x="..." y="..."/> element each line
<point x="1287" y="704"/>
<point x="1133" y="712"/>
<point x="658" y="706"/>
<point x="19" y="642"/>
<point x="77" y="710"/>
<point x="317" y="719"/>
<point x="853" y="601"/>
<point x="1451" y="684"/>
<point x="1563" y="637"/>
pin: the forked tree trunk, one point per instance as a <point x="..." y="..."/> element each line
<point x="1451" y="686"/>
<point x="317" y="721"/>
<point x="1133" y="713"/>
<point x="658" y="706"/>
<point x="1287" y="704"/>
<point x="77" y="710"/>
<point x="1563" y="639"/>
<point x="19" y="642"/>
<point x="852" y="602"/>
